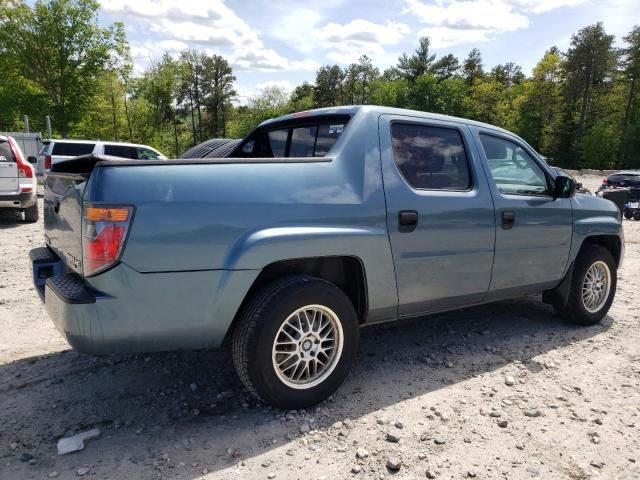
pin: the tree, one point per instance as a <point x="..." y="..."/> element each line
<point x="472" y="69"/>
<point x="508" y="74"/>
<point x="59" y="46"/>
<point x="589" y="68"/>
<point x="421" y="62"/>
<point x="218" y="92"/>
<point x="446" y="67"/>
<point x="630" y="137"/>
<point x="328" y="87"/>
<point x="540" y="109"/>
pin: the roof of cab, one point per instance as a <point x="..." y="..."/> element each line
<point x="378" y="110"/>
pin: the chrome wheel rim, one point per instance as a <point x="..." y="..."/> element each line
<point x="596" y="287"/>
<point x="307" y="347"/>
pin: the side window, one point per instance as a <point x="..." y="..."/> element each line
<point x="303" y="140"/>
<point x="431" y="158"/>
<point x="278" y="141"/>
<point x="146" y="154"/>
<point x="512" y="168"/>
<point x="121" y="151"/>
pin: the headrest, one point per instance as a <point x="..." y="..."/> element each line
<point x="494" y="149"/>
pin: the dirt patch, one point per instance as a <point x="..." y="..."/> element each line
<point x="501" y="391"/>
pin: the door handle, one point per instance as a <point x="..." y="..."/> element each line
<point x="407" y="220"/>
<point x="508" y="219"/>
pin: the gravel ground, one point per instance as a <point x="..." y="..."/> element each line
<point x="500" y="391"/>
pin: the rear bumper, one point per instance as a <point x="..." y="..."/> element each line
<point x="18" y="200"/>
<point x="124" y="311"/>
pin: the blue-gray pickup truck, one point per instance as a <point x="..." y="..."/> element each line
<point x="320" y="222"/>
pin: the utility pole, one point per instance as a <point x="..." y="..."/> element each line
<point x="47" y="120"/>
<point x="26" y="124"/>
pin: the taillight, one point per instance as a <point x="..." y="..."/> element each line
<point x="47" y="162"/>
<point x="605" y="181"/>
<point x="104" y="233"/>
<point x="25" y="170"/>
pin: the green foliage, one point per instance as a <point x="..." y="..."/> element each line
<point x="579" y="108"/>
<point x="59" y="46"/>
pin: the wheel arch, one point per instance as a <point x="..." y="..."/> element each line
<point x="612" y="243"/>
<point x="347" y="272"/>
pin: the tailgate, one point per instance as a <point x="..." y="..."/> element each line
<point x="63" y="194"/>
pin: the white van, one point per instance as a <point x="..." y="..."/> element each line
<point x="17" y="180"/>
<point x="54" y="151"/>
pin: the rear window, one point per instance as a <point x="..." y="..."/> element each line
<point x="72" y="149"/>
<point x="6" y="155"/>
<point x="44" y="148"/>
<point x="625" y="178"/>
<point x="301" y="138"/>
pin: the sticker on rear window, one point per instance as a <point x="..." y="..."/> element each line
<point x="335" y="129"/>
<point x="3" y="158"/>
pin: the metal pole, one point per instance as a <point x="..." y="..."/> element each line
<point x="26" y="124"/>
<point x="47" y="120"/>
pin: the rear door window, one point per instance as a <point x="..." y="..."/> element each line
<point x="72" y="149"/>
<point x="122" y="151"/>
<point x="6" y="155"/>
<point x="431" y="158"/>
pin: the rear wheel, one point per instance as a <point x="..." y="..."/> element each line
<point x="593" y="286"/>
<point x="31" y="214"/>
<point x="295" y="342"/>
<point x="628" y="214"/>
<point x="636" y="215"/>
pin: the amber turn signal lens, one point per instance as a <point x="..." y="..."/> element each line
<point x="97" y="214"/>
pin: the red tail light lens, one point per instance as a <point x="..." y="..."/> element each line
<point x="605" y="181"/>
<point x="25" y="170"/>
<point x="104" y="233"/>
<point x="47" y="162"/>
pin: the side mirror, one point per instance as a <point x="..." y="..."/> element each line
<point x="32" y="160"/>
<point x="564" y="187"/>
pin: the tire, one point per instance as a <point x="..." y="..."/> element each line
<point x="576" y="312"/>
<point x="31" y="214"/>
<point x="260" y="324"/>
<point x="628" y="214"/>
<point x="636" y="215"/>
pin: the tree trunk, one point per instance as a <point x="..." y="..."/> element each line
<point x="126" y="113"/>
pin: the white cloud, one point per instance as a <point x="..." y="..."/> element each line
<point x="343" y="42"/>
<point x="212" y="25"/>
<point x="450" y="22"/>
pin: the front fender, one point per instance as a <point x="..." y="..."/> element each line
<point x="259" y="248"/>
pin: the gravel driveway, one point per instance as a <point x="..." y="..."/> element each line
<point x="495" y="392"/>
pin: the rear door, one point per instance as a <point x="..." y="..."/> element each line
<point x="440" y="214"/>
<point x="8" y="169"/>
<point x="122" y="151"/>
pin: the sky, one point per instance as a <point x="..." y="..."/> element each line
<point x="283" y="42"/>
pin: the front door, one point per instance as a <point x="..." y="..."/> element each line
<point x="533" y="230"/>
<point x="440" y="214"/>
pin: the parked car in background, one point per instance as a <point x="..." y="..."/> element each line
<point x="621" y="179"/>
<point x="316" y="224"/>
<point x="54" y="151"/>
<point x="580" y="188"/>
<point x="17" y="180"/>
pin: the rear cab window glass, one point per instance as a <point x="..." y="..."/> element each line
<point x="431" y="158"/>
<point x="278" y="142"/>
<point x="311" y="137"/>
<point x="6" y="154"/>
<point x="514" y="171"/>
<point x="72" y="149"/>
<point x="147" y="154"/>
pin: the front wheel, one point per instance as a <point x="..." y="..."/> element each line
<point x="295" y="342"/>
<point x="593" y="286"/>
